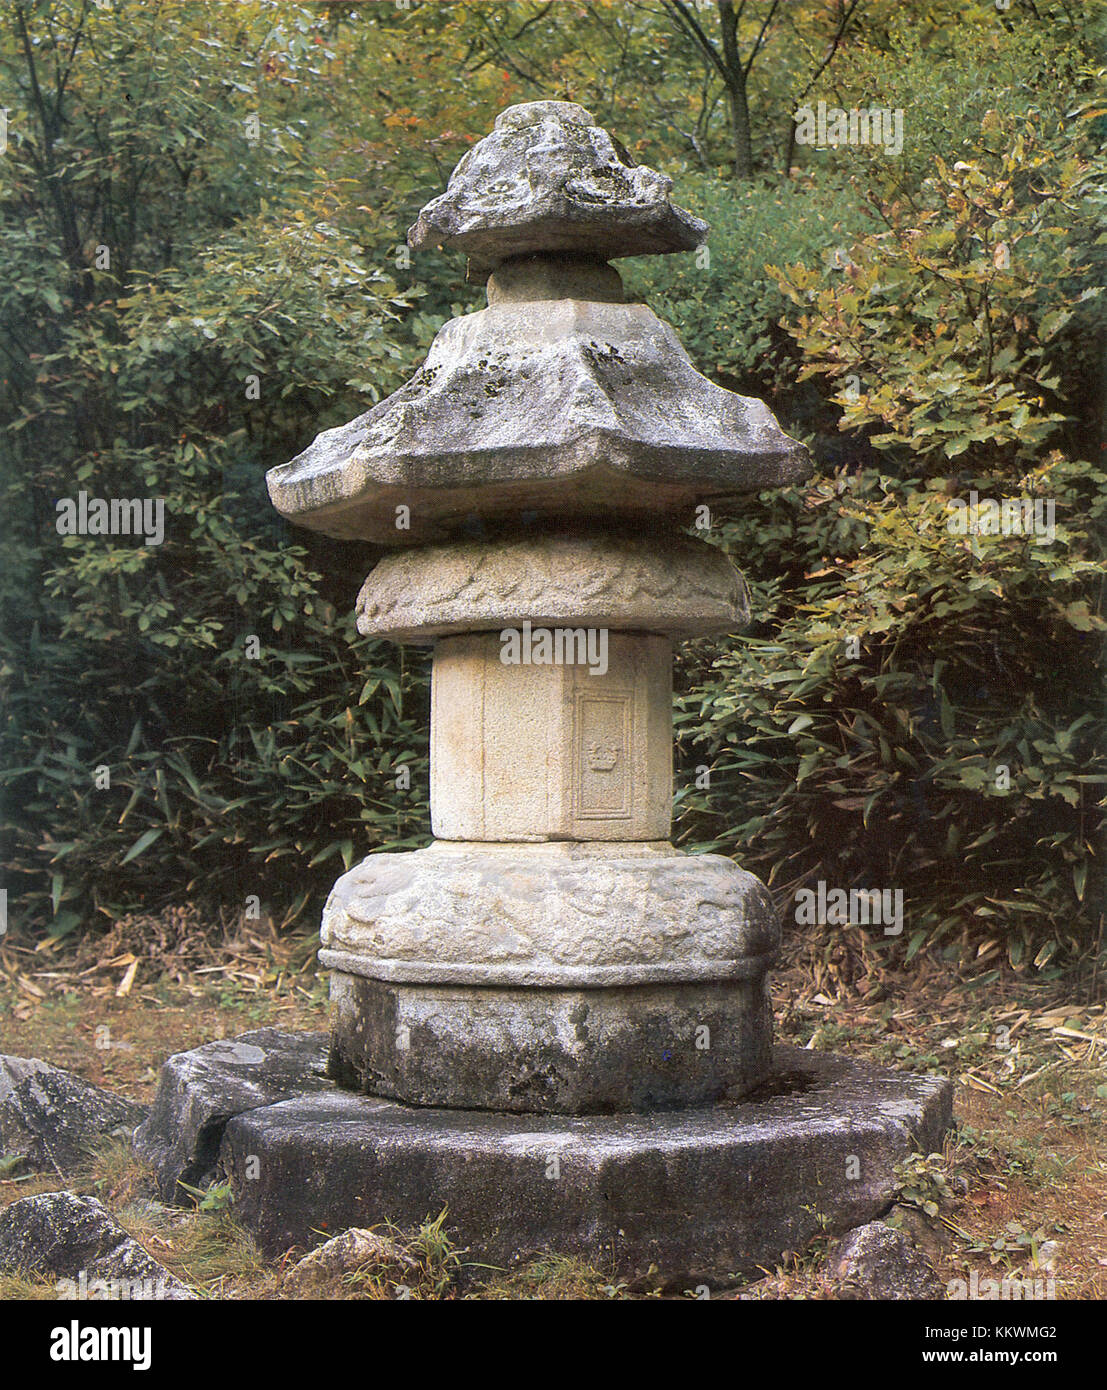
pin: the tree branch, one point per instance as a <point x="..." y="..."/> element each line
<point x="761" y="36"/>
<point x="691" y="26"/>
<point x="847" y="14"/>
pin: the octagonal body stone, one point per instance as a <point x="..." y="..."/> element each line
<point x="579" y="751"/>
<point x="560" y="410"/>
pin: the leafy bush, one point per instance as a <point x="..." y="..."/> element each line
<point x="924" y="714"/>
<point x="918" y="708"/>
<point x="726" y="307"/>
<point x="930" y="327"/>
<point x="962" y="328"/>
<point x="196" y="717"/>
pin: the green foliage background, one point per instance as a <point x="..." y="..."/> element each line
<point x="929" y="324"/>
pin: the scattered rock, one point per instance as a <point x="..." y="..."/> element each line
<point x="928" y="1234"/>
<point x="49" y="1118"/>
<point x="200" y="1091"/>
<point x="75" y="1239"/>
<point x="874" y="1261"/>
<point x="353" y="1250"/>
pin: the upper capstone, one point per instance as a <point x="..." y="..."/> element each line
<point x="548" y="179"/>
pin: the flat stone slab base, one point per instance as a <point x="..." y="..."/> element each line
<point x="700" y="1195"/>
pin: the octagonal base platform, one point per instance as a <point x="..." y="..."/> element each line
<point x="701" y="1195"/>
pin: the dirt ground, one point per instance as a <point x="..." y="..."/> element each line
<point x="1020" y="1190"/>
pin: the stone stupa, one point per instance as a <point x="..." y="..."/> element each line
<point x="550" y="1021"/>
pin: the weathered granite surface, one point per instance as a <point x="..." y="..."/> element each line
<point x="558" y="408"/>
<point x="559" y="400"/>
<point x="876" y="1262"/>
<point x="50" y="1119"/>
<point x="199" y="1091"/>
<point x="64" y="1236"/>
<point x="553" y="752"/>
<point x="566" y="974"/>
<point x="701" y="1193"/>
<point x="558" y="915"/>
<point x="320" y="1271"/>
<point x="524" y="278"/>
<point x="549" y="179"/>
<point x="551" y="1051"/>
<point x="655" y="582"/>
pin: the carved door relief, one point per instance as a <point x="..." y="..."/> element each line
<point x="603" y="731"/>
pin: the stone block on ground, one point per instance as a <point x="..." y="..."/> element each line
<point x="199" y="1091"/>
<point x="702" y="1194"/>
<point x="50" y="1118"/>
<point x="67" y="1237"/>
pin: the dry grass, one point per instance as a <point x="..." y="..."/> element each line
<point x="112" y="1007"/>
<point x="14" y="1288"/>
<point x="206" y="1250"/>
<point x="548" y="1276"/>
<point x="1027" y="1166"/>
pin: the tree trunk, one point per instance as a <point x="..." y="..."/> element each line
<point x="734" y="75"/>
<point x="740" y="128"/>
<point x="789" y="149"/>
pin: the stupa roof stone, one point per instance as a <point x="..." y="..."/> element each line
<point x="561" y="408"/>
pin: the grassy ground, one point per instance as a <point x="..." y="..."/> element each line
<point x="1019" y="1191"/>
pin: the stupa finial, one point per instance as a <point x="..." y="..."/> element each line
<point x="548" y="179"/>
